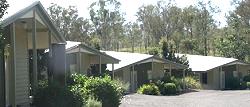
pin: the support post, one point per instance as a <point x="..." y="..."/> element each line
<point x="113" y="73"/>
<point x="34" y="40"/>
<point x="184" y="82"/>
<point x="100" y="64"/>
<point x="50" y="78"/>
<point x="80" y="59"/>
<point x="237" y="70"/>
<point x="170" y="70"/>
<point x="152" y="66"/>
<point x="2" y="78"/>
<point x="12" y="73"/>
<point x="133" y="78"/>
<point x="221" y="81"/>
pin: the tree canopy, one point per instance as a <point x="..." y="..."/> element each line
<point x="188" y="30"/>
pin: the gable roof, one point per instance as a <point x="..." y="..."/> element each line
<point x="201" y="63"/>
<point x="42" y="13"/>
<point x="73" y="47"/>
<point x="127" y="59"/>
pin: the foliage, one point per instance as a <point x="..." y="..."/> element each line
<point x="169" y="89"/>
<point x="246" y="78"/>
<point x="166" y="78"/>
<point x="70" y="25"/>
<point x="101" y="88"/>
<point x="149" y="89"/>
<point x="153" y="51"/>
<point x="107" y="20"/>
<point x="248" y="85"/>
<point x="169" y="54"/>
<point x="233" y="46"/>
<point x="55" y="96"/>
<point x="92" y="102"/>
<point x="3" y="7"/>
<point x="191" y="83"/>
<point x="42" y="83"/>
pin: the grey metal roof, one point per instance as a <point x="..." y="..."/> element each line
<point x="128" y="59"/>
<point x="73" y="47"/>
<point x="199" y="63"/>
<point x="41" y="11"/>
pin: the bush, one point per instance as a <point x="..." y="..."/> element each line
<point x="178" y="83"/>
<point x="169" y="89"/>
<point x="55" y="96"/>
<point x="248" y="85"/>
<point x="103" y="89"/>
<point x="246" y="78"/>
<point x="166" y="78"/>
<point x="92" y="102"/>
<point x="191" y="83"/>
<point x="153" y="51"/>
<point x="149" y="89"/>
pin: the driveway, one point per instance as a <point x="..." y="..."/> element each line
<point x="202" y="98"/>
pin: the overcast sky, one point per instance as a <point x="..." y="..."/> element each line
<point x="130" y="7"/>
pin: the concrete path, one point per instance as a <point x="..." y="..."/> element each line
<point x="202" y="98"/>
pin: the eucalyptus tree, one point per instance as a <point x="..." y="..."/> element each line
<point x="133" y="33"/>
<point x="107" y="20"/>
<point x="235" y="41"/>
<point x="205" y="22"/>
<point x="70" y="25"/>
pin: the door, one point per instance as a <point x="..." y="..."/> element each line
<point x="228" y="77"/>
<point x="222" y="80"/>
<point x="135" y="80"/>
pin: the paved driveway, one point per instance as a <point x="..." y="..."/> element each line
<point x="202" y="98"/>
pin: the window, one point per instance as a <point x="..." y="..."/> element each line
<point x="204" y="78"/>
<point x="235" y="73"/>
<point x="149" y="74"/>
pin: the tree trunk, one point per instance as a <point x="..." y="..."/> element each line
<point x="205" y="46"/>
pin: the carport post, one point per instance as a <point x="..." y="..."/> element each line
<point x="184" y="83"/>
<point x="50" y="58"/>
<point x="170" y="69"/>
<point x="152" y="66"/>
<point x="237" y="69"/>
<point x="34" y="40"/>
<point x="113" y="73"/>
<point x="100" y="64"/>
<point x="133" y="78"/>
<point x="80" y="59"/>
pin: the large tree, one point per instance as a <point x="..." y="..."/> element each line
<point x="205" y="23"/>
<point x="107" y="21"/>
<point x="72" y="27"/>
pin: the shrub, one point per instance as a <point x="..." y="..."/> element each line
<point x="153" y="51"/>
<point x="178" y="83"/>
<point x="166" y="78"/>
<point x="149" y="89"/>
<point x="102" y="88"/>
<point x="169" y="89"/>
<point x="248" y="85"/>
<point x="246" y="78"/>
<point x="191" y="83"/>
<point x="92" y="102"/>
<point x="55" y="96"/>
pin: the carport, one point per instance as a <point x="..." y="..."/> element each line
<point x="28" y="29"/>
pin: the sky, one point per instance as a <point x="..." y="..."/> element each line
<point x="130" y="7"/>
